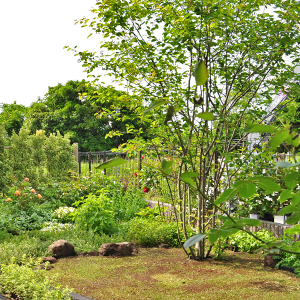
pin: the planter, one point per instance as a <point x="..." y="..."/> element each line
<point x="279" y="219"/>
<point x="254" y="216"/>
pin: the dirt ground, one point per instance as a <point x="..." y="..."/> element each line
<point x="156" y="273"/>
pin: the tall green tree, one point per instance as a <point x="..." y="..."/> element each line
<point x="12" y="116"/>
<point x="201" y="67"/>
<point x="68" y="110"/>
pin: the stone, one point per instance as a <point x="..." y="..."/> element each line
<point x="91" y="253"/>
<point x="51" y="259"/>
<point x="62" y="248"/>
<point x="118" y="249"/>
<point x="270" y="261"/>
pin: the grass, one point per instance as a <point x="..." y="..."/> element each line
<point x="167" y="274"/>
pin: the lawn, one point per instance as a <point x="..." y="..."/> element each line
<point x="156" y="273"/>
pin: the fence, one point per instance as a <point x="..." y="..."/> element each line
<point x="276" y="228"/>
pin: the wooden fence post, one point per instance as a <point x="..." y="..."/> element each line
<point x="104" y="160"/>
<point x="90" y="162"/>
<point x="76" y="156"/>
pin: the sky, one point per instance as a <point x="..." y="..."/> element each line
<point x="32" y="36"/>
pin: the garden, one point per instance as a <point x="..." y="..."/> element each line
<point x="212" y="148"/>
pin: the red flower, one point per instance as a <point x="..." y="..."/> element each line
<point x="135" y="174"/>
<point x="146" y="189"/>
<point x="142" y="157"/>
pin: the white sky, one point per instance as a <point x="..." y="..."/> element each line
<point x="32" y="36"/>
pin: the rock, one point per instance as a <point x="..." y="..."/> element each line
<point x="270" y="261"/>
<point x="91" y="253"/>
<point x="62" y="248"/>
<point x="118" y="249"/>
<point x="51" y="259"/>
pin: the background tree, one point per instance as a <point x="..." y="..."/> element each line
<point x="68" y="110"/>
<point x="12" y="116"/>
<point x="236" y="54"/>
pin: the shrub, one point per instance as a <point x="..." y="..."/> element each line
<point x="289" y="259"/>
<point x="26" y="283"/>
<point x="96" y="214"/>
<point x="151" y="232"/>
<point x="125" y="203"/>
<point x="244" y="242"/>
<point x="63" y="214"/>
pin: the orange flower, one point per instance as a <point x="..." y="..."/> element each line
<point x="17" y="193"/>
<point x="26" y="179"/>
<point x="30" y="198"/>
<point x="8" y="199"/>
<point x="39" y="196"/>
<point x="33" y="191"/>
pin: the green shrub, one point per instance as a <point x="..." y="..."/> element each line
<point x="69" y="191"/>
<point x="26" y="283"/>
<point x="125" y="203"/>
<point x="244" y="242"/>
<point x="95" y="214"/>
<point x="151" y="232"/>
<point x="63" y="214"/>
<point x="16" y="220"/>
<point x="289" y="259"/>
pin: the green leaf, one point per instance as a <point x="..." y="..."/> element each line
<point x="293" y="219"/>
<point x="166" y="166"/>
<point x="206" y="116"/>
<point x="189" y="181"/>
<point x="291" y="179"/>
<point x="193" y="240"/>
<point x="285" y="164"/>
<point x="112" y="163"/>
<point x="240" y="183"/>
<point x="169" y="114"/>
<point x="293" y="231"/>
<point x="247" y="190"/>
<point x="215" y="234"/>
<point x="296" y="198"/>
<point x="189" y="175"/>
<point x="200" y="73"/>
<point x="262" y="178"/>
<point x="269" y="186"/>
<point x="278" y="139"/>
<point x="285" y="194"/>
<point x="287" y="210"/>
<point x="262" y="129"/>
<point x="226" y="196"/>
<point x="154" y="105"/>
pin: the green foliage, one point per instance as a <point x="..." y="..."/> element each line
<point x="125" y="204"/>
<point x="26" y="283"/>
<point x="35" y="243"/>
<point x="96" y="214"/>
<point x="63" y="214"/>
<point x="81" y="110"/>
<point x="59" y="159"/>
<point x="151" y="232"/>
<point x="244" y="242"/>
<point x="4" y="165"/>
<point x="12" y="116"/>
